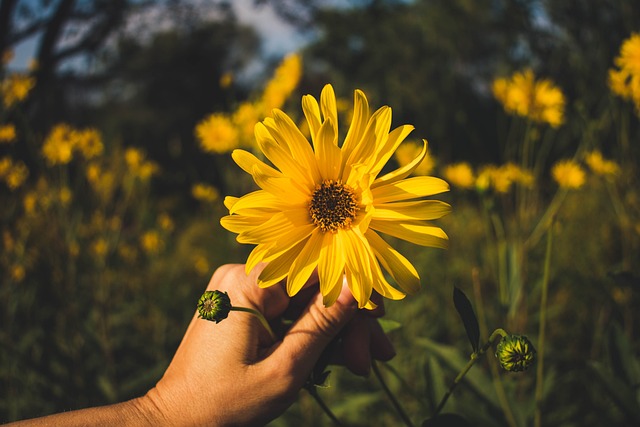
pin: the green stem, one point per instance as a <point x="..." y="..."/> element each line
<point x="541" y="332"/>
<point x="313" y="392"/>
<point x="497" y="381"/>
<point x="498" y="333"/>
<point x="260" y="317"/>
<point x="391" y="396"/>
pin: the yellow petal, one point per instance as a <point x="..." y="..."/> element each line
<point x="278" y="268"/>
<point x="229" y="201"/>
<point x="384" y="152"/>
<point x="312" y="113"/>
<point x="358" y="123"/>
<point x="414" y="232"/>
<point x="331" y="266"/>
<point x="283" y="187"/>
<point x="283" y="161"/>
<point x="240" y="223"/>
<point x="256" y="256"/>
<point x="328" y="154"/>
<point x="260" y="198"/>
<point x="248" y="161"/>
<point x="411" y="188"/>
<point x="357" y="266"/>
<point x="404" y="171"/>
<point x="373" y="135"/>
<point x="305" y="263"/>
<point x="419" y="210"/>
<point x="397" y="265"/>
<point x="298" y="145"/>
<point x="278" y="225"/>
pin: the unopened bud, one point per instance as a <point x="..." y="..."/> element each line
<point x="214" y="305"/>
<point x="515" y="353"/>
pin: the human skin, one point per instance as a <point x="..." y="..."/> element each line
<point x="232" y="373"/>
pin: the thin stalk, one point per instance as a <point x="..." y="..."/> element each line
<point x="313" y="392"/>
<point x="541" y="332"/>
<point x="498" y="333"/>
<point x="497" y="381"/>
<point x="260" y="317"/>
<point x="392" y="397"/>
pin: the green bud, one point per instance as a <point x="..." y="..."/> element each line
<point x="515" y="353"/>
<point x="214" y="305"/>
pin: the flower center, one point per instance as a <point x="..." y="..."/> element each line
<point x="333" y="206"/>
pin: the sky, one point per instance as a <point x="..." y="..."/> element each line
<point x="277" y="36"/>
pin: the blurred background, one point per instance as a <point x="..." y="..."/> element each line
<point x="116" y="126"/>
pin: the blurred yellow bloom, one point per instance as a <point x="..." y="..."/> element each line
<point x="568" y="174"/>
<point x="201" y="264"/>
<point x="165" y="222"/>
<point x="408" y="151"/>
<point x="15" y="88"/>
<point x="65" y="195"/>
<point x="14" y="174"/>
<point x="29" y="202"/>
<point x="460" y="175"/>
<point x="59" y="144"/>
<point x="226" y="80"/>
<point x="501" y="178"/>
<point x="7" y="133"/>
<point x="138" y="165"/>
<point x="205" y="193"/>
<point x="244" y="120"/>
<point x="601" y="166"/>
<point x="625" y="81"/>
<point x="89" y="143"/>
<point x="99" y="247"/>
<point x="151" y="242"/>
<point x="284" y="81"/>
<point x="539" y="100"/>
<point x="217" y="134"/>
<point x="18" y="273"/>
<point x="128" y="253"/>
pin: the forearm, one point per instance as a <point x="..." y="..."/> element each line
<point x="135" y="412"/>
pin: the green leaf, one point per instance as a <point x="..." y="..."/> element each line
<point x="389" y="325"/>
<point x="465" y="310"/>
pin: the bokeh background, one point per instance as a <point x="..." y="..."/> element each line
<point x="116" y="126"/>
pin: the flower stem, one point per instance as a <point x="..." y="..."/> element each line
<point x="391" y="396"/>
<point x="541" y="332"/>
<point x="313" y="392"/>
<point x="260" y="317"/>
<point x="498" y="333"/>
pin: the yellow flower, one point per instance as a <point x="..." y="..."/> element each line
<point x="284" y="81"/>
<point x="539" y="100"/>
<point x="625" y="81"/>
<point x="7" y="133"/>
<point x="217" y="134"/>
<point x="601" y="166"/>
<point x="205" y="193"/>
<point x="18" y="273"/>
<point x="323" y="205"/>
<point x="225" y="80"/>
<point x="460" y="175"/>
<point x="408" y="151"/>
<point x="151" y="242"/>
<point x="568" y="174"/>
<point x="89" y="143"/>
<point x="59" y="144"/>
<point x="244" y="120"/>
<point x="14" y="174"/>
<point x="138" y="165"/>
<point x="15" y="88"/>
<point x="501" y="178"/>
<point x="165" y="222"/>
<point x="99" y="247"/>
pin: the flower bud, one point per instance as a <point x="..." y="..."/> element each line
<point x="214" y="305"/>
<point x="515" y="353"/>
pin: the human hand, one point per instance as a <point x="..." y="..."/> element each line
<point x="232" y="373"/>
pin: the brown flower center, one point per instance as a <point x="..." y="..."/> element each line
<point x="333" y="205"/>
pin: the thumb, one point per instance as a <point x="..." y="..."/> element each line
<point x="313" y="331"/>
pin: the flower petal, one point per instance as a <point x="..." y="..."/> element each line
<point x="256" y="202"/>
<point x="418" y="210"/>
<point x="282" y="187"/>
<point x="358" y="123"/>
<point x="331" y="267"/>
<point x="357" y="268"/>
<point x="248" y="161"/>
<point x="312" y="113"/>
<point x="404" y="171"/>
<point x="305" y="263"/>
<point x="328" y="154"/>
<point x="414" y="232"/>
<point x="298" y="145"/>
<point x="384" y="152"/>
<point x="239" y="223"/>
<point x="411" y="188"/>
<point x="278" y="225"/>
<point x="278" y="268"/>
<point x="397" y="265"/>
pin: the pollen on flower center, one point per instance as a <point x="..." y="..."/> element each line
<point x="333" y="205"/>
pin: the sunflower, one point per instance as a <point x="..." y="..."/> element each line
<point x="322" y="205"/>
